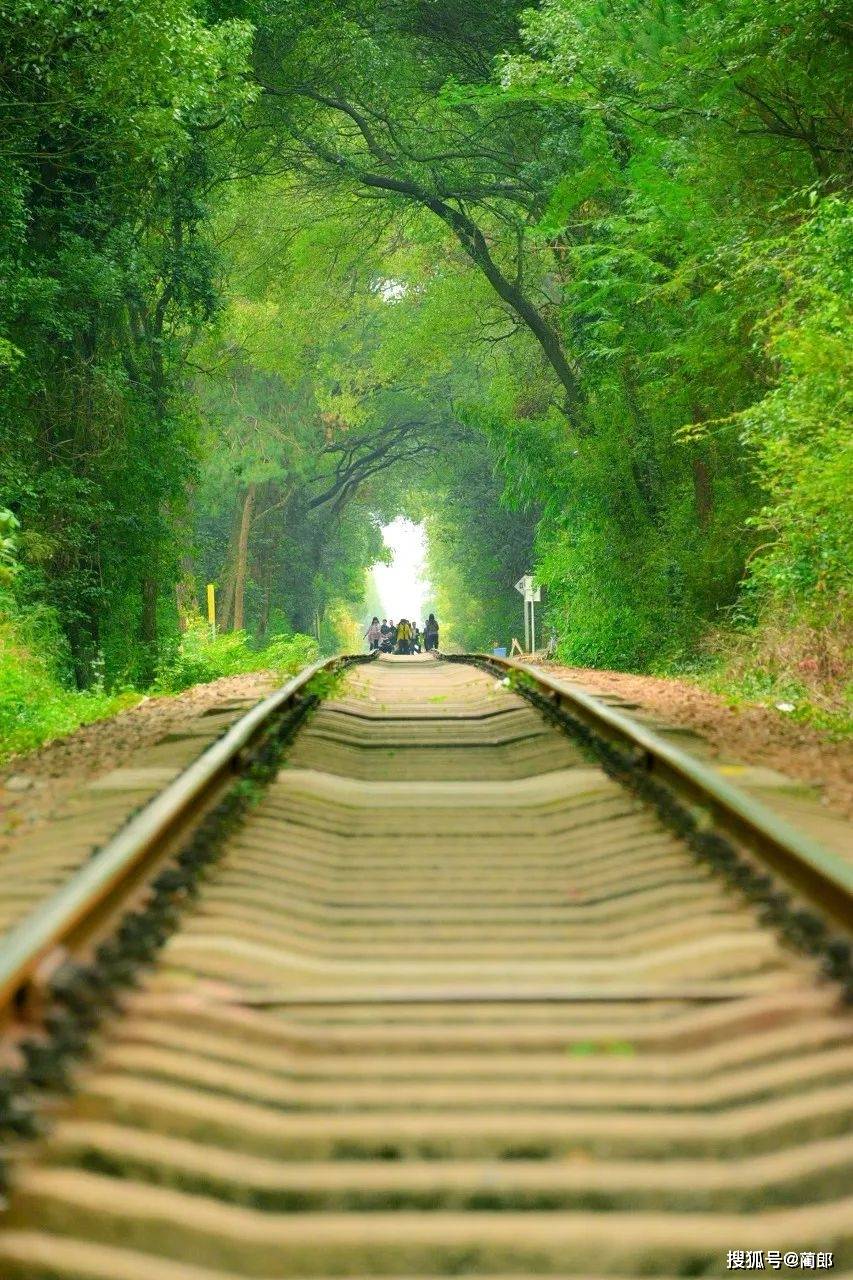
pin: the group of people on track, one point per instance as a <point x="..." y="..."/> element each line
<point x="389" y="636"/>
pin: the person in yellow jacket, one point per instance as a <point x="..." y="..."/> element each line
<point x="404" y="636"/>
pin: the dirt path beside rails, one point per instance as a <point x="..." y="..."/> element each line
<point x="34" y="786"/>
<point x="752" y="734"/>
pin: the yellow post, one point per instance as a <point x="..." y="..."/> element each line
<point x="211" y="607"/>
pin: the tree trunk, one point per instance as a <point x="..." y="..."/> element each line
<point x="266" y="604"/>
<point x="226" y="595"/>
<point x="148" y="621"/>
<point x="242" y="558"/>
<point x="703" y="485"/>
<point x="703" y="492"/>
<point x="265" y="579"/>
<point x="647" y="479"/>
<point x="186" y="598"/>
<point x="150" y="586"/>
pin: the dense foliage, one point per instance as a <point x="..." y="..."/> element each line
<point x="107" y="160"/>
<point x="570" y="282"/>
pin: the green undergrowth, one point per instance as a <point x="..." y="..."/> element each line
<point x="325" y="684"/>
<point x="197" y="657"/>
<point x="35" y="706"/>
<point x="790" y="698"/>
<point x="800" y="672"/>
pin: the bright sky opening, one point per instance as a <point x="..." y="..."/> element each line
<point x="402" y="585"/>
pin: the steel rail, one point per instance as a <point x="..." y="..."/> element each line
<point x="648" y="1021"/>
<point x="56" y="919"/>
<point x="822" y="876"/>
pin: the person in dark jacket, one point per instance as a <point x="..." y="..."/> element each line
<point x="388" y="643"/>
<point x="431" y="633"/>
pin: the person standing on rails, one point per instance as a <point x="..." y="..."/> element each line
<point x="404" y="636"/>
<point x="372" y="635"/>
<point x="431" y="633"/>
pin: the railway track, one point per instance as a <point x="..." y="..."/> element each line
<point x="446" y="989"/>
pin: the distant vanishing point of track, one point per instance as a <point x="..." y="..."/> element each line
<point x="453" y="998"/>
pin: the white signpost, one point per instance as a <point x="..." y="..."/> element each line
<point x="532" y="595"/>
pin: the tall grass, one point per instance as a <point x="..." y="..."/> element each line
<point x="35" y="707"/>
<point x="197" y="657"/>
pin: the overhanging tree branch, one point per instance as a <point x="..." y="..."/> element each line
<point x="448" y="205"/>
